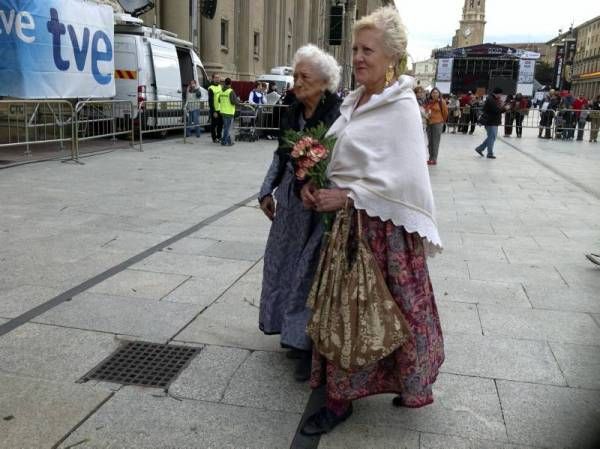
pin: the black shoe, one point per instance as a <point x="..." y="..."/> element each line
<point x="303" y="366"/>
<point x="491" y="156"/>
<point x="480" y="152"/>
<point x="293" y="354"/>
<point x="323" y="421"/>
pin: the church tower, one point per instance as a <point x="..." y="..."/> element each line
<point x="472" y="25"/>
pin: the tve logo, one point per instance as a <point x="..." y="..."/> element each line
<point x="80" y="49"/>
<point x="56" y="49"/>
<point x="17" y="23"/>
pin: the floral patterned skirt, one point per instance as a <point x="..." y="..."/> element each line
<point x="411" y="370"/>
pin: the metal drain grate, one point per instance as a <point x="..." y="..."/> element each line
<point x="145" y="364"/>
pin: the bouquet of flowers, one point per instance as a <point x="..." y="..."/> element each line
<point x="310" y="151"/>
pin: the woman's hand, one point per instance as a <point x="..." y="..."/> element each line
<point x="307" y="195"/>
<point x="267" y="205"/>
<point x="330" y="200"/>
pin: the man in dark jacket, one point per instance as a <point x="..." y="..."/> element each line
<point x="491" y="119"/>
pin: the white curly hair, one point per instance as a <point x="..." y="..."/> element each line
<point x="323" y="62"/>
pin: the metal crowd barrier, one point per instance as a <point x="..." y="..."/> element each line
<point x="163" y="116"/>
<point x="102" y="119"/>
<point x="36" y="122"/>
<point x="558" y="124"/>
<point x="256" y="120"/>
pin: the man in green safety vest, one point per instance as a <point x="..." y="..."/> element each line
<point x="216" y="121"/>
<point x="228" y="100"/>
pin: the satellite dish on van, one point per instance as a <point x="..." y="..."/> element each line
<point x="136" y="7"/>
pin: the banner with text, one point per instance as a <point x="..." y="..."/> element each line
<point x="56" y="49"/>
<point x="444" y="70"/>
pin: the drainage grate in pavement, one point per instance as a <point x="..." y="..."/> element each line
<point x="146" y="364"/>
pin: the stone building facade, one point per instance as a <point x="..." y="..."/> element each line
<point x="424" y="72"/>
<point x="586" y="64"/>
<point x="247" y="38"/>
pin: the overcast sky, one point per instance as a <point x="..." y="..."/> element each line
<point x="432" y="23"/>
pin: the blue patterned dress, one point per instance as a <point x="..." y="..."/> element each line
<point x="292" y="252"/>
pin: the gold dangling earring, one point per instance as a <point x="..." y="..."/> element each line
<point x="389" y="76"/>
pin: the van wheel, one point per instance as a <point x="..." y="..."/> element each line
<point x="163" y="134"/>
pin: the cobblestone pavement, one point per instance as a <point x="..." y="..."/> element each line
<point x="166" y="246"/>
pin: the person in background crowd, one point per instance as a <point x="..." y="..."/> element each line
<point x="273" y="96"/>
<point x="257" y="95"/>
<point x="581" y="114"/>
<point x="192" y="105"/>
<point x="216" y="120"/>
<point x="437" y="116"/>
<point x="594" y="119"/>
<point x="521" y="109"/>
<point x="569" y="117"/>
<point x="476" y="111"/>
<point x="491" y="118"/>
<point x="292" y="251"/>
<point x="465" y="106"/>
<point x="421" y="100"/>
<point x="509" y="115"/>
<point x="288" y="96"/>
<point x="453" y="113"/>
<point x="547" y="111"/>
<point x="228" y="101"/>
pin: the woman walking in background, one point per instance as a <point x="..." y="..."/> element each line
<point x="438" y="115"/>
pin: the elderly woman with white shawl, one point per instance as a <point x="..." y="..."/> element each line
<point x="378" y="165"/>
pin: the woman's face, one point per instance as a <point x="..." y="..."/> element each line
<point x="435" y="95"/>
<point x="369" y="59"/>
<point x="308" y="85"/>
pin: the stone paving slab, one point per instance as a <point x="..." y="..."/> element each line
<point x="501" y="358"/>
<point x="458" y="317"/>
<point x="481" y="292"/>
<point x="39" y="414"/>
<point x="436" y="441"/>
<point x="360" y="436"/>
<point x="231" y="321"/>
<point x="536" y="324"/>
<point x="533" y="274"/>
<point x="549" y="416"/>
<point x="18" y="300"/>
<point x="265" y="380"/>
<point x="202" y="267"/>
<point x="463" y="406"/>
<point x="571" y="299"/>
<point x="134" y="418"/>
<point x="150" y="320"/>
<point x="139" y="284"/>
<point x="53" y="353"/>
<point x="580" y="364"/>
<point x="209" y="374"/>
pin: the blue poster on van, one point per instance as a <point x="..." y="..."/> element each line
<point x="56" y="49"/>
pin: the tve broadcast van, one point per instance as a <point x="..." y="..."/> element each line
<point x="154" y="65"/>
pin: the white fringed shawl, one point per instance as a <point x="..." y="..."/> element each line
<point x="380" y="156"/>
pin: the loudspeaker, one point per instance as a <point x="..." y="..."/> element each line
<point x="336" y="19"/>
<point x="208" y="8"/>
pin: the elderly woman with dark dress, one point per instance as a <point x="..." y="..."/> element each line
<point x="292" y="251"/>
<point x="378" y="167"/>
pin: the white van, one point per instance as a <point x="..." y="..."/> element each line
<point x="153" y="65"/>
<point x="281" y="76"/>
